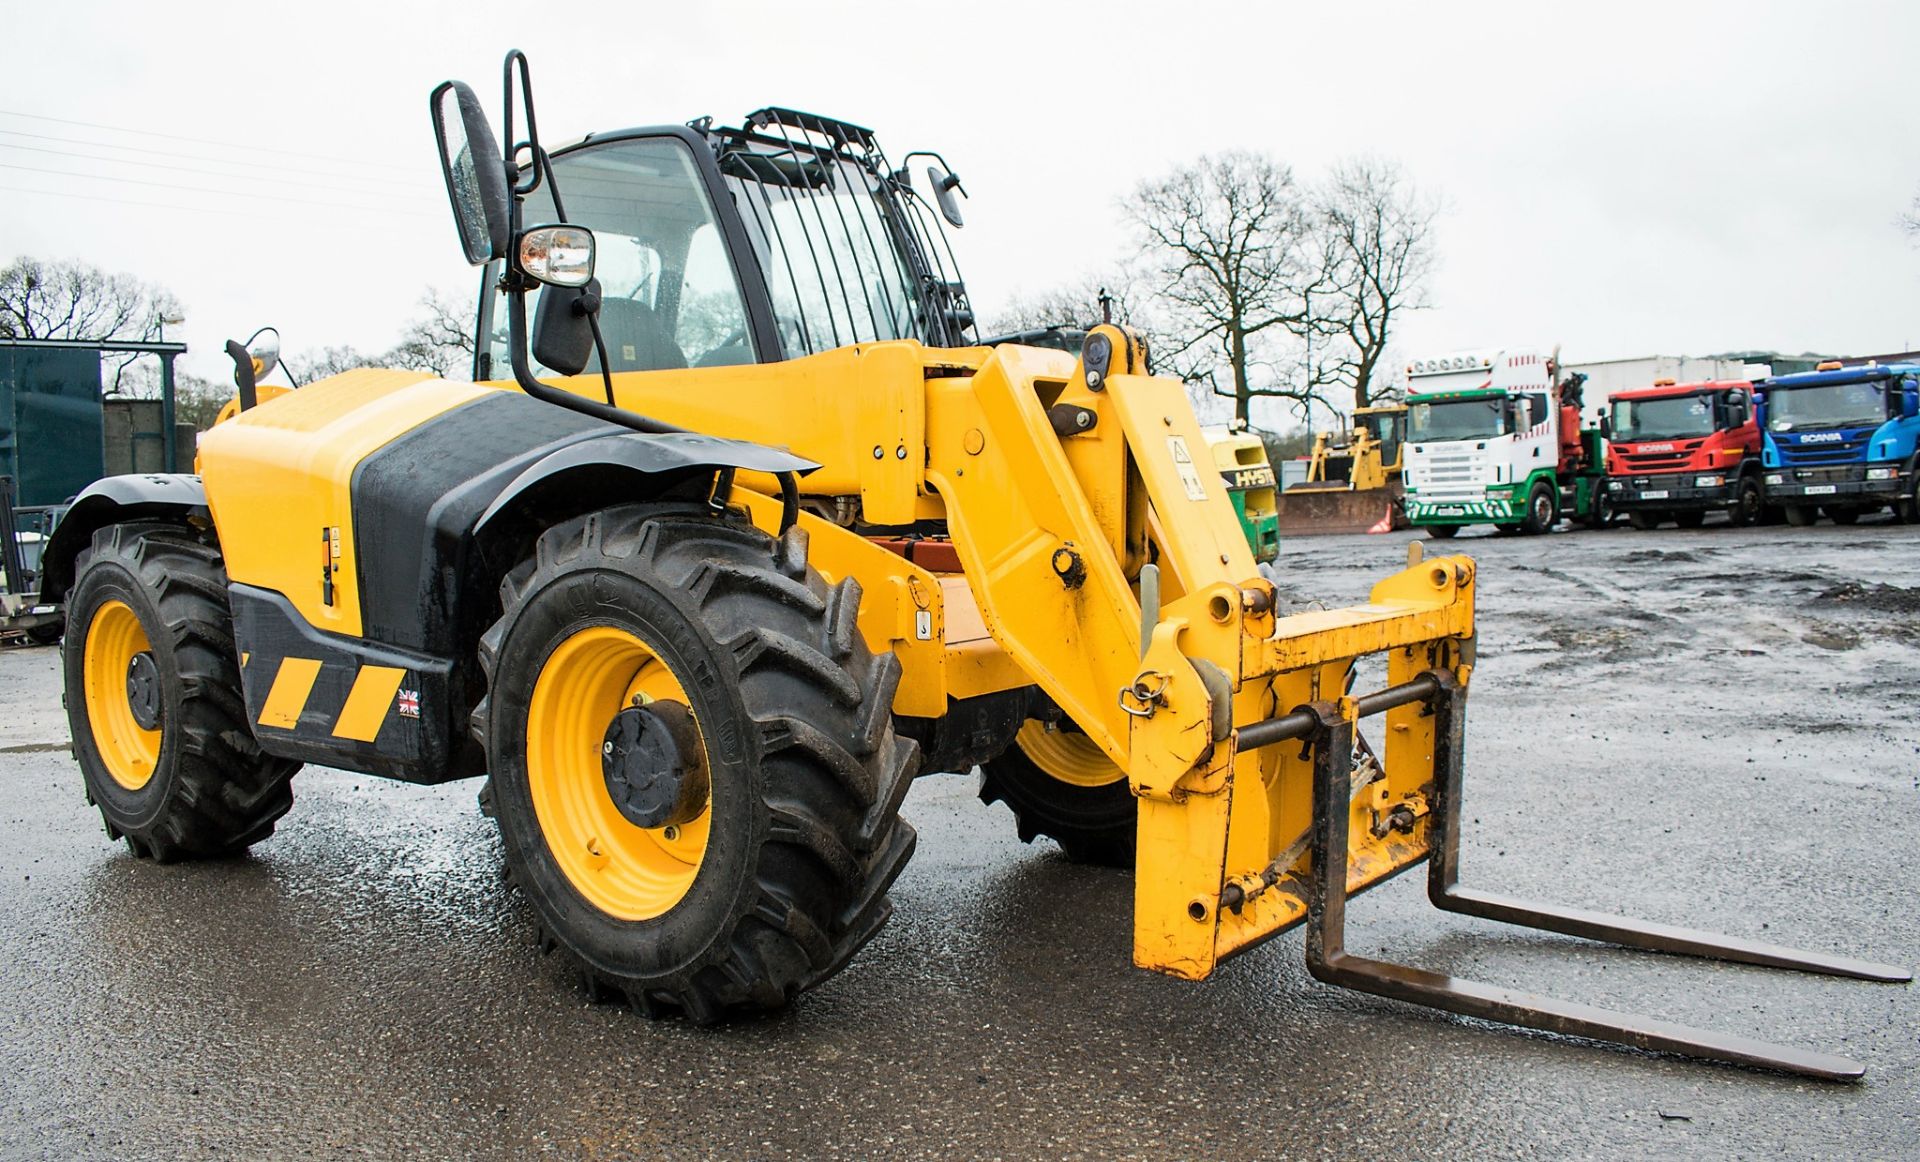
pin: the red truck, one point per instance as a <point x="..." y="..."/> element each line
<point x="1678" y="451"/>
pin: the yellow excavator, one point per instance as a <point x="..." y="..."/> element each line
<point x="1353" y="482"/>
<point x="740" y="530"/>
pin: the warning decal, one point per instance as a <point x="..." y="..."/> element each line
<point x="1183" y="464"/>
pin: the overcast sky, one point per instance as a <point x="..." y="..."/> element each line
<point x="1624" y="179"/>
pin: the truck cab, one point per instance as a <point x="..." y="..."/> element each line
<point x="1494" y="438"/>
<point x="1678" y="451"/>
<point x="1841" y="441"/>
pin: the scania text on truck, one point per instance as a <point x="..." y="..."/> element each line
<point x="1678" y="451"/>
<point x="1841" y="440"/>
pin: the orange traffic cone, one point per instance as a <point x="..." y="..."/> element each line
<point x="1386" y="522"/>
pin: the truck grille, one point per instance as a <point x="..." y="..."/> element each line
<point x="1448" y="474"/>
<point x="1838" y="452"/>
<point x="1658" y="461"/>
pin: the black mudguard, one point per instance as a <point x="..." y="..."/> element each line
<point x="152" y="496"/>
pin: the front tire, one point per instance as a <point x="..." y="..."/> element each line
<point x="1802" y="516"/>
<point x="777" y="871"/>
<point x="153" y="697"/>
<point x="1750" y="506"/>
<point x="1058" y="783"/>
<point x="1540" y="510"/>
<point x="1441" y="532"/>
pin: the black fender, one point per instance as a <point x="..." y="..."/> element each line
<point x="175" y="497"/>
<point x="632" y="466"/>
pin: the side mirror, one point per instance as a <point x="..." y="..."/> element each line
<point x="1909" y="398"/>
<point x="563" y="330"/>
<point x="944" y="184"/>
<point x="1606" y="426"/>
<point x="1739" y="410"/>
<point x="475" y="173"/>
<point x="263" y="351"/>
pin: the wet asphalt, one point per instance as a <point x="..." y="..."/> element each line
<point x="1713" y="727"/>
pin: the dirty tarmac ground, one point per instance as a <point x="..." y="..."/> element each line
<point x="1713" y="728"/>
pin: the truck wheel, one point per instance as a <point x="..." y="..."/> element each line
<point x="1601" y="514"/>
<point x="1689" y="520"/>
<point x="1540" y="510"/>
<point x="1844" y="516"/>
<point x="694" y="768"/>
<point x="1643" y="519"/>
<point x="1441" y="532"/>
<point x="1750" y="505"/>
<point x="153" y="697"/>
<point x="1059" y="783"/>
<point x="47" y="633"/>
<point x="1908" y="507"/>
<point x="1802" y="516"/>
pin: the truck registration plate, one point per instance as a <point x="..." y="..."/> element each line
<point x="1820" y="490"/>
<point x="1656" y="494"/>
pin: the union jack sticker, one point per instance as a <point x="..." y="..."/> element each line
<point x="409" y="703"/>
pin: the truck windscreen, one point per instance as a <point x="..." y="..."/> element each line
<point x="1457" y="419"/>
<point x="1672" y="418"/>
<point x="1827" y="405"/>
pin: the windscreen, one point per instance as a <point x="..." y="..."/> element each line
<point x="828" y="249"/>
<point x="1457" y="419"/>
<point x="1830" y="405"/>
<point x="1672" y="418"/>
<point x="669" y="297"/>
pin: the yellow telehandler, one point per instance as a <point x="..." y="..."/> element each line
<point x="746" y="534"/>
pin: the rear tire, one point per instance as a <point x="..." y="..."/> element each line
<point x="1844" y="516"/>
<point x="153" y="697"/>
<point x="47" y="633"/>
<point x="1441" y="532"/>
<point x="1801" y="516"/>
<point x="783" y="874"/>
<point x="1059" y="784"/>
<point x="1644" y="520"/>
<point x="1541" y="510"/>
<point x="1689" y="520"/>
<point x="1601" y="514"/>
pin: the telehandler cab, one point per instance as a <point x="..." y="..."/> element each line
<point x="751" y="535"/>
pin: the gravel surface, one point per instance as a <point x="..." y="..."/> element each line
<point x="1712" y="727"/>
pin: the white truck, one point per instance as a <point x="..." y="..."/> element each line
<point x="1494" y="437"/>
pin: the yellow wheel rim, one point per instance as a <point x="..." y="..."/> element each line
<point x="626" y="871"/>
<point x="129" y="751"/>
<point x="1067" y="755"/>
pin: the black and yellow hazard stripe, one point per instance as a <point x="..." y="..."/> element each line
<point x="347" y="702"/>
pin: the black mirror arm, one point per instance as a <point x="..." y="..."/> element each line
<point x="243" y="374"/>
<point x="517" y="342"/>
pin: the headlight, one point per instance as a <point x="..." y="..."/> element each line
<point x="1776" y="478"/>
<point x="1709" y="481"/>
<point x="1613" y="486"/>
<point x="1882" y="473"/>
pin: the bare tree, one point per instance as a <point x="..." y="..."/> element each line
<point x="1227" y="240"/>
<point x="1909" y="219"/>
<point x="69" y="299"/>
<point x="1374" y="234"/>
<point x="74" y="300"/>
<point x="1070" y="304"/>
<point x="440" y="339"/>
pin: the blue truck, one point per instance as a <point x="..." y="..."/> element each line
<point x="1841" y="441"/>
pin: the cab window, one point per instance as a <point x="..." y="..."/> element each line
<point x="669" y="295"/>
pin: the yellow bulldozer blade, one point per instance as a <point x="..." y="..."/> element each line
<point x="1306" y="510"/>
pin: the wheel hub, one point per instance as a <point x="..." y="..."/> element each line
<point x="654" y="765"/>
<point x="143" y="690"/>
